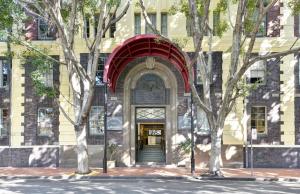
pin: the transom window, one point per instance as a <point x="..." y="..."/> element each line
<point x="45" y="118"/>
<point x="96" y="120"/>
<point x="150" y="113"/>
<point x="257" y="72"/>
<point x="3" y="122"/>
<point x="4" y="68"/>
<point x="258" y="118"/>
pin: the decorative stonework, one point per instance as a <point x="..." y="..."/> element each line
<point x="150" y="62"/>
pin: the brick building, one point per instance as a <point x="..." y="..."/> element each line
<point x="149" y="100"/>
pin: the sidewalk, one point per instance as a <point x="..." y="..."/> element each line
<point x="167" y="172"/>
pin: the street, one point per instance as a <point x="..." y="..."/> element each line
<point x="144" y="186"/>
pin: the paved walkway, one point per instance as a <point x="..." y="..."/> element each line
<point x="167" y="171"/>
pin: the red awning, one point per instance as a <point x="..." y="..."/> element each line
<point x="142" y="46"/>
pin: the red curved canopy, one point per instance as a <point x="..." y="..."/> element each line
<point x="141" y="46"/>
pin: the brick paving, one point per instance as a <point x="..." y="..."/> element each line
<point x="168" y="171"/>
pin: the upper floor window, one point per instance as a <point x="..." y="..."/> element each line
<point x="3" y="122"/>
<point x="86" y="27"/>
<point x="96" y="120"/>
<point x="152" y="17"/>
<point x="258" y="119"/>
<point x="216" y="22"/>
<point x="3" y="35"/>
<point x="4" y="68"/>
<point x="262" y="30"/>
<point x="189" y="29"/>
<point x="47" y="78"/>
<point x="100" y="69"/>
<point x="96" y="19"/>
<point x="298" y="69"/>
<point x="257" y="72"/>
<point x="202" y="122"/>
<point x="45" y="118"/>
<point x="44" y="30"/>
<point x="137" y="23"/>
<point x="112" y="28"/>
<point x="164" y="24"/>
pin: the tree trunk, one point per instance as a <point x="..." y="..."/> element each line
<point x="82" y="150"/>
<point x="215" y="155"/>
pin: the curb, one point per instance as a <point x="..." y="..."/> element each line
<point x="79" y="177"/>
<point x="268" y="179"/>
<point x="201" y="178"/>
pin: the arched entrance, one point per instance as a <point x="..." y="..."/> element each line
<point x="162" y="107"/>
<point x="148" y="87"/>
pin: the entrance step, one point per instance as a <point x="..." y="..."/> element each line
<point x="151" y="153"/>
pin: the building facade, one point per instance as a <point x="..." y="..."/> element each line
<point x="149" y="103"/>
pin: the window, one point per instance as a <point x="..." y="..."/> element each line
<point x="150" y="113"/>
<point x="164" y="24"/>
<point x="3" y="122"/>
<point x="86" y="27"/>
<point x="100" y="70"/>
<point x="44" y="30"/>
<point x="96" y="120"/>
<point x="3" y="35"/>
<point x="257" y="72"/>
<point x="45" y="117"/>
<point x="258" y="119"/>
<point x="112" y="28"/>
<point x="137" y="23"/>
<point x="202" y="122"/>
<point x="4" y="68"/>
<point x="96" y="19"/>
<point x="262" y="31"/>
<point x="299" y="70"/>
<point x="198" y="74"/>
<point x="216" y="22"/>
<point x="189" y="29"/>
<point x="47" y="78"/>
<point x="152" y="17"/>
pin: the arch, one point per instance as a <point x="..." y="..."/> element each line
<point x="141" y="46"/>
<point x="130" y="83"/>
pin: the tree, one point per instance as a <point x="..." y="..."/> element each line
<point x="246" y="24"/>
<point x="65" y="16"/>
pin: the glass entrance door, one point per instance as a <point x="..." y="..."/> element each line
<point x="151" y="142"/>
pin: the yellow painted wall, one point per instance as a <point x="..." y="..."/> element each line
<point x="235" y="125"/>
<point x="17" y="102"/>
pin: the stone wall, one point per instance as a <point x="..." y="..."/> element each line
<point x="275" y="157"/>
<point x="37" y="156"/>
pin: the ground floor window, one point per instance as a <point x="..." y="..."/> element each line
<point x="96" y="120"/>
<point x="202" y="122"/>
<point x="258" y="119"/>
<point x="3" y="122"/>
<point x="45" y="118"/>
<point x="3" y="73"/>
